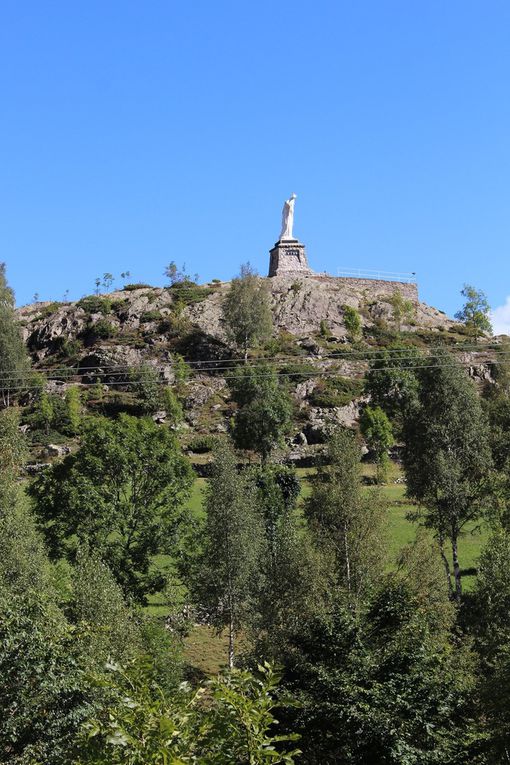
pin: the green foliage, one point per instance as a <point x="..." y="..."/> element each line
<point x="201" y="444"/>
<point x="95" y="304"/>
<point x="99" y="612"/>
<point x="72" y="403"/>
<point x="335" y="391"/>
<point x="14" y="362"/>
<point x="404" y="310"/>
<point x="387" y="685"/>
<point x="13" y="447"/>
<point x="447" y="457"/>
<point x="393" y="381"/>
<point x="67" y="348"/>
<point x="149" y="316"/>
<point x="140" y="724"/>
<point x="121" y="493"/>
<point x="264" y="409"/>
<point x="50" y="309"/>
<point x="324" y="329"/>
<point x="289" y="589"/>
<point x="136" y="286"/>
<point x="346" y="523"/>
<point x="352" y="321"/>
<point x="246" y="310"/>
<point x="475" y="312"/>
<point x="146" y="386"/>
<point x="100" y="330"/>
<point x="42" y="701"/>
<point x="224" y="573"/>
<point x="378" y="433"/>
<point x="45" y="411"/>
<point x="172" y="407"/>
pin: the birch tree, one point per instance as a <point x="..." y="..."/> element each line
<point x="246" y="310"/>
<point x="223" y="578"/>
<point x="344" y="520"/>
<point x="447" y="457"/>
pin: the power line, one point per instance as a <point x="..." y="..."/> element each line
<point x="308" y="375"/>
<point x="393" y="354"/>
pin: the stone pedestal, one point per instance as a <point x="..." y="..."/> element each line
<point x="288" y="256"/>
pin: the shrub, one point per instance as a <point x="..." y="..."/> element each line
<point x="101" y="330"/>
<point x="67" y="347"/>
<point x="95" y="304"/>
<point x="136" y="286"/>
<point x="150" y="316"/>
<point x="202" y="444"/>
<point x="324" y="329"/>
<point x="352" y="321"/>
<point x="50" y="309"/>
<point x="188" y="292"/>
<point x="335" y="391"/>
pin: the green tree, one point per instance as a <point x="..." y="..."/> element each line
<point x="392" y="381"/>
<point x="173" y="407"/>
<point x="475" y="313"/>
<point x="290" y="587"/>
<point x="265" y="409"/>
<point x="491" y="604"/>
<point x="122" y="493"/>
<point x="72" y="407"/>
<point x="146" y="386"/>
<point x="382" y="685"/>
<point x="345" y="521"/>
<point x="45" y="412"/>
<point x="352" y="321"/>
<point x="99" y="611"/>
<point x="223" y="577"/>
<point x="403" y="310"/>
<point x="447" y="457"/>
<point x="14" y="362"/>
<point x="378" y="433"/>
<point x="246" y="310"/>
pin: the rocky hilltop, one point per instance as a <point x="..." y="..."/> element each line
<point x="103" y="338"/>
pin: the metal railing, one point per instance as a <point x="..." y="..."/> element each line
<point x="387" y="276"/>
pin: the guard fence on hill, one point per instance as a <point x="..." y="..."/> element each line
<point x="386" y="276"/>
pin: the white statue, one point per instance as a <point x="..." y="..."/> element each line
<point x="288" y="218"/>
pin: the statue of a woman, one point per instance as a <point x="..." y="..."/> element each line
<point x="288" y="218"/>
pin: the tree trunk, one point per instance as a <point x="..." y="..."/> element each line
<point x="231" y="644"/>
<point x="456" y="567"/>
<point x="446" y="566"/>
<point x="347" y="561"/>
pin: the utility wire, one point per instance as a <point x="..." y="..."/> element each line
<point x="308" y="375"/>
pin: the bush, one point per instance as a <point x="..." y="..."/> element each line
<point x="150" y="316"/>
<point x="101" y="330"/>
<point x="95" y="304"/>
<point x="352" y="321"/>
<point x="202" y="443"/>
<point x="50" y="309"/>
<point x="188" y="292"/>
<point x="67" y="347"/>
<point x="324" y="329"/>
<point x="136" y="286"/>
<point x="335" y="391"/>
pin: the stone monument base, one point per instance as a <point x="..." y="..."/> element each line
<point x="288" y="256"/>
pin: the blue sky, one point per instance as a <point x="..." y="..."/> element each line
<point x="132" y="134"/>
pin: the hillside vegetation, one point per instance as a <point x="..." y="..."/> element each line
<point x="263" y="521"/>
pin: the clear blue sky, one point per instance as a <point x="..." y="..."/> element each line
<point x="135" y="133"/>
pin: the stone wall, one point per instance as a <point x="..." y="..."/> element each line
<point x="375" y="286"/>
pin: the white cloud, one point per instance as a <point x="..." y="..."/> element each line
<point x="500" y="318"/>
